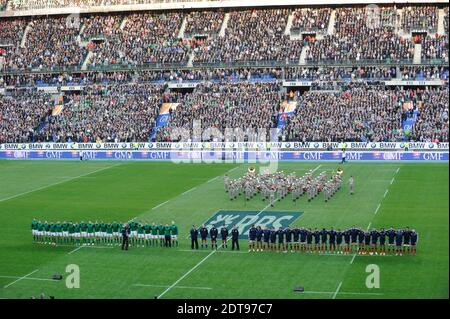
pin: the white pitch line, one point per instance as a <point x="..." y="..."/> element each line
<point x="199" y="263"/>
<point x="74" y="250"/>
<point x="353" y="259"/>
<point x="385" y="193"/>
<point x="368" y="226"/>
<point x="159" y="205"/>
<point x="337" y="290"/>
<point x="317" y="168"/>
<point x="165" y="286"/>
<point x="213" y="179"/>
<point x="57" y="183"/>
<point x="378" y="207"/>
<point x="20" y="278"/>
<point x="188" y="191"/>
<point x="28" y="278"/>
<point x="219" y="251"/>
<point x="398" y="169"/>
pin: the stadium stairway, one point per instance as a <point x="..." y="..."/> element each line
<point x="287" y="30"/>
<point x="123" y="23"/>
<point x="331" y="23"/>
<point x="191" y="59"/>
<point x="303" y="54"/>
<point x="182" y="28"/>
<point x="25" y="34"/>
<point x="440" y="26"/>
<point x="86" y="60"/>
<point x="226" y="18"/>
<point x="417" y="53"/>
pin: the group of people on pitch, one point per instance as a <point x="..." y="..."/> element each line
<point x="348" y="241"/>
<point x="103" y="233"/>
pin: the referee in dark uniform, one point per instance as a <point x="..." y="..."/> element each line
<point x="194" y="237"/>
<point x="235" y="238"/>
<point x="125" y="235"/>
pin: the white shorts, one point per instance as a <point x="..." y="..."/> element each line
<point x="147" y="236"/>
<point x="116" y="234"/>
<point x="161" y="236"/>
<point x="133" y="233"/>
<point x="83" y="233"/>
<point x="174" y="236"/>
<point x="59" y="234"/>
<point x="65" y="233"/>
<point x="53" y="234"/>
<point x="104" y="234"/>
<point x="77" y="235"/>
<point x="98" y="234"/>
<point x="141" y="235"/>
<point x="34" y="231"/>
<point x="90" y="234"/>
<point x="109" y="235"/>
<point x="153" y="236"/>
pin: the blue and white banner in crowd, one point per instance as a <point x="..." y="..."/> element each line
<point x="230" y="156"/>
<point x="163" y="117"/>
<point x="287" y="109"/>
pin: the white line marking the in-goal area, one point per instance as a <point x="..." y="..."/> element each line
<point x="368" y="226"/>
<point x="200" y="262"/>
<point x="385" y="193"/>
<point x="317" y="168"/>
<point x="341" y="293"/>
<point x="159" y="205"/>
<point x="20" y="278"/>
<point x="57" y="183"/>
<point x="378" y="207"/>
<point x="337" y="290"/>
<point x="353" y="259"/>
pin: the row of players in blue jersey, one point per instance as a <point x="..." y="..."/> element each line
<point x="348" y="241"/>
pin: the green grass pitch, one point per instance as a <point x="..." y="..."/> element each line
<point x="408" y="194"/>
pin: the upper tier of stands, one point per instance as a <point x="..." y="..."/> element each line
<point x="225" y="38"/>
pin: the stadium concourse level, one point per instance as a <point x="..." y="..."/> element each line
<point x="258" y="36"/>
<point x="104" y="233"/>
<point x="127" y="112"/>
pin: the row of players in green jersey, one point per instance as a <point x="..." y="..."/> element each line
<point x="102" y="233"/>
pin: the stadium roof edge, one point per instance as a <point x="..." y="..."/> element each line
<point x="209" y="4"/>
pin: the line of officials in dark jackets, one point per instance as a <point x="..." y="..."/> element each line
<point x="351" y="240"/>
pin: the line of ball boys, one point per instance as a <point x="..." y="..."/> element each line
<point x="104" y="233"/>
<point x="348" y="241"/>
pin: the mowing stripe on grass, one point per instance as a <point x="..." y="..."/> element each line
<point x="20" y="278"/>
<point x="57" y="183"/>
<point x="337" y="290"/>
<point x="201" y="262"/>
<point x="165" y="286"/>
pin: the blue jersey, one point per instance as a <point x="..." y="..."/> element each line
<point x="316" y="235"/>
<point x="339" y="237"/>
<point x="288" y="234"/>
<point x="273" y="236"/>
<point x="324" y="236"/>
<point x="391" y="236"/>
<point x="259" y="234"/>
<point x="296" y="233"/>
<point x="252" y="233"/>
<point x="280" y="234"/>
<point x="303" y="235"/>
<point x="382" y="236"/>
<point x="374" y="234"/>
<point x="266" y="234"/>
<point x="332" y="235"/>
<point x="414" y="238"/>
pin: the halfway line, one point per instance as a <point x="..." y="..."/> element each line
<point x="20" y="278"/>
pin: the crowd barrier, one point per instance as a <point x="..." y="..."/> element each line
<point x="192" y="156"/>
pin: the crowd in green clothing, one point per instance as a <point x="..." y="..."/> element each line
<point x="103" y="233"/>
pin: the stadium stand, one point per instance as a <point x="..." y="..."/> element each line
<point x="347" y="70"/>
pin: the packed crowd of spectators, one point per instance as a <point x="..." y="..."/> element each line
<point x="432" y="120"/>
<point x="311" y="20"/>
<point x="247" y="107"/>
<point x="145" y="38"/>
<point x="435" y="47"/>
<point x="341" y="73"/>
<point x="108" y="113"/>
<point x="203" y="23"/>
<point x="357" y="37"/>
<point x="3" y="4"/>
<point x="358" y="114"/>
<point x="424" y="72"/>
<point x="252" y="35"/>
<point x="420" y="18"/>
<point x="107" y="26"/>
<point x="21" y="114"/>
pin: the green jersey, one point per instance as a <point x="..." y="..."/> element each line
<point x="133" y="226"/>
<point x="140" y="229"/>
<point x="109" y="228"/>
<point x="83" y="227"/>
<point x="71" y="228"/>
<point x="90" y="228"/>
<point x="115" y="227"/>
<point x="47" y="227"/>
<point x="65" y="226"/>
<point x="174" y="230"/>
<point x="147" y="229"/>
<point x="103" y="227"/>
<point x="52" y="228"/>
<point x="161" y="229"/>
<point x="97" y="227"/>
<point x="76" y="228"/>
<point x="40" y="226"/>
<point x="154" y="229"/>
<point x="58" y="228"/>
<point x="167" y="231"/>
<point x="34" y="225"/>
